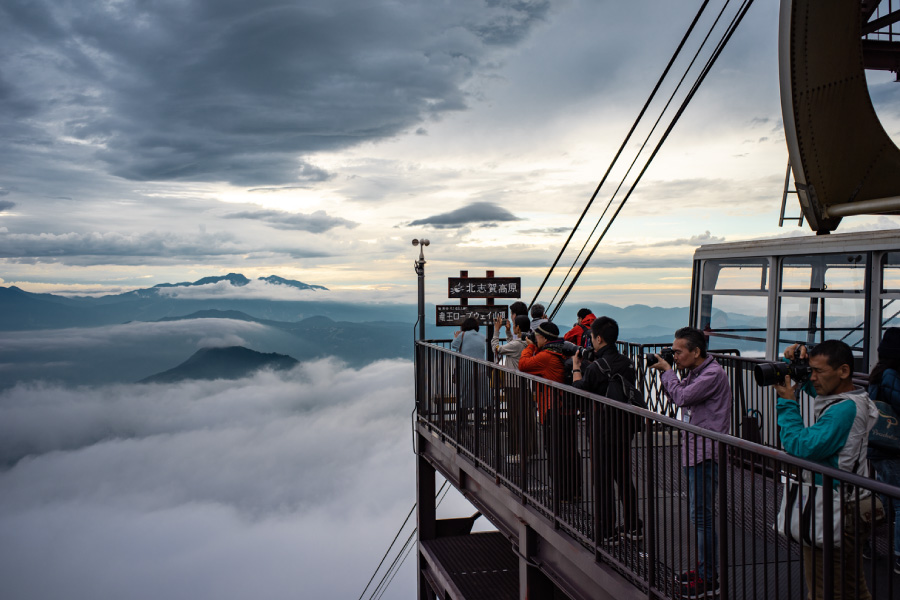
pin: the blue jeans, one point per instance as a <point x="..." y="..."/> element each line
<point x="888" y="471"/>
<point x="702" y="484"/>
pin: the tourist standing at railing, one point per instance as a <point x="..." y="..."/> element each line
<point x="884" y="386"/>
<point x="705" y="400"/>
<point x="538" y="316"/>
<point x="515" y="339"/>
<point x="468" y="341"/>
<point x="520" y="410"/>
<point x="617" y="429"/>
<point x="543" y="356"/>
<point x="517" y="308"/>
<point x="580" y="334"/>
<point x="844" y="414"/>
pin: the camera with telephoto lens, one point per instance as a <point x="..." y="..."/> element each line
<point x="771" y="373"/>
<point x="586" y="354"/>
<point x="667" y="354"/>
<point x="530" y="337"/>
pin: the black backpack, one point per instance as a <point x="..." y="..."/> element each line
<point x="619" y="388"/>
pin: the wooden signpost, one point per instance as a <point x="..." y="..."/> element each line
<point x="488" y="287"/>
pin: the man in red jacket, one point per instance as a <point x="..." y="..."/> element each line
<point x="580" y="335"/>
<point x="543" y="356"/>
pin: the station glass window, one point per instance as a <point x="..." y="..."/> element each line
<point x="734" y="302"/>
<point x="890" y="291"/>
<point x="890" y="272"/>
<point x="817" y="318"/>
<point x="737" y="322"/>
<point x="821" y="272"/>
<point x="750" y="274"/>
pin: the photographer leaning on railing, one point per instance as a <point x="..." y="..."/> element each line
<point x="844" y="414"/>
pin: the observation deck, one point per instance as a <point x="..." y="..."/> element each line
<point x="478" y="426"/>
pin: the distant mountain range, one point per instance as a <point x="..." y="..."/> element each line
<point x="233" y="362"/>
<point x="21" y="310"/>
<point x="235" y="279"/>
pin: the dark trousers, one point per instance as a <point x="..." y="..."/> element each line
<point x="561" y="441"/>
<point x="615" y="467"/>
<point x="521" y="414"/>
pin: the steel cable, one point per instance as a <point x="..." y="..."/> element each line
<point x="706" y="69"/>
<point x="634" y="161"/>
<point x="622" y="147"/>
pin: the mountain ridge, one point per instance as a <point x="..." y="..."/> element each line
<point x="228" y="362"/>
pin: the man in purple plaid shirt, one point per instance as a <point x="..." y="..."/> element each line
<point x="705" y="400"/>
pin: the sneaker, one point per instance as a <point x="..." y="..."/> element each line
<point x="867" y="550"/>
<point x="700" y="588"/>
<point x="688" y="576"/>
<point x="614" y="536"/>
<point x="636" y="534"/>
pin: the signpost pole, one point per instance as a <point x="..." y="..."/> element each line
<point x="420" y="271"/>
<point x="490" y="328"/>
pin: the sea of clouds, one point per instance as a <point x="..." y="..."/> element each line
<point x="280" y="485"/>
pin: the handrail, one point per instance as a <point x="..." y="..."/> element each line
<point x="731" y="440"/>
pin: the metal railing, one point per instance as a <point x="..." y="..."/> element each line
<point x="614" y="478"/>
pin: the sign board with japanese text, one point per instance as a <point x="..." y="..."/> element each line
<point x="454" y="315"/>
<point x="484" y="287"/>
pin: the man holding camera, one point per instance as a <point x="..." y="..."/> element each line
<point x="617" y="429"/>
<point x="543" y="356"/>
<point x="705" y="400"/>
<point x="519" y="409"/>
<point x="844" y="414"/>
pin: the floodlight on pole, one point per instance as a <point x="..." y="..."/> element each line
<point x="420" y="271"/>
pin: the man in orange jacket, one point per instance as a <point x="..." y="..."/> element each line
<point x="543" y="356"/>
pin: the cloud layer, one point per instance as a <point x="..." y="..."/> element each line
<point x="254" y="488"/>
<point x="476" y="213"/>
<point x="236" y="91"/>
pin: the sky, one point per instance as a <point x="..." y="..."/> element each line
<point x="151" y="142"/>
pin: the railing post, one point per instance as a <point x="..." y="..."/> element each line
<point x="723" y="520"/>
<point x="650" y="514"/>
<point x="476" y="410"/>
<point x="522" y="428"/>
<point x="495" y="375"/>
<point x="595" y="471"/>
<point x="827" y="537"/>
<point x="461" y="410"/>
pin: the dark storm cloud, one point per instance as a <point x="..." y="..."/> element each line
<point x="317" y="222"/>
<point x="227" y="90"/>
<point x="484" y="213"/>
<point x="6" y="204"/>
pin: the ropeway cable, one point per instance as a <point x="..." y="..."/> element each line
<point x="405" y="521"/>
<point x="638" y="154"/>
<point x="710" y="62"/>
<point x="405" y="556"/>
<point x="622" y="147"/>
<point x="706" y="69"/>
<point x="633" y="162"/>
<point x="394" y="568"/>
